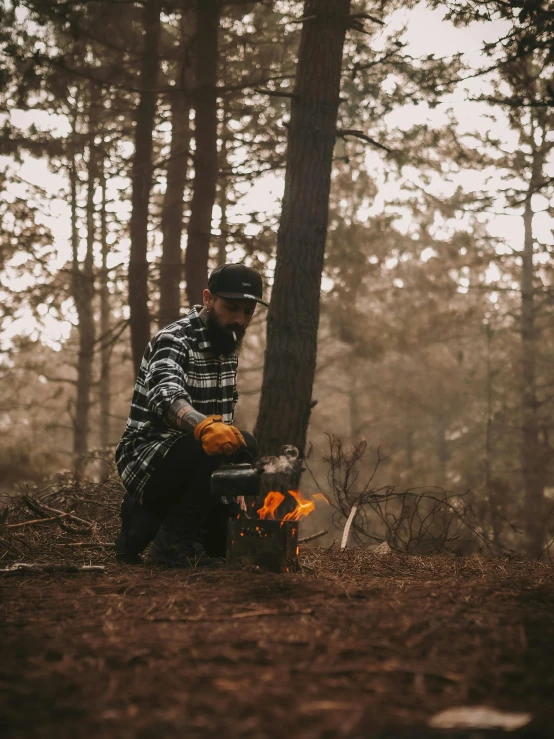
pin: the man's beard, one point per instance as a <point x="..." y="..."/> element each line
<point x="221" y="337"/>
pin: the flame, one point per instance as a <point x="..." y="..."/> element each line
<point x="272" y="501"/>
<point x="304" y="506"/>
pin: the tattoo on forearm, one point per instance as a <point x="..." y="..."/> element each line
<point x="181" y="415"/>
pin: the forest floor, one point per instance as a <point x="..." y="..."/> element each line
<point x="354" y="645"/>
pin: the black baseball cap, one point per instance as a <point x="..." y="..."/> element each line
<point x="236" y="281"/>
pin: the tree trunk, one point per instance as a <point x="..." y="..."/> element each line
<point x="172" y="215"/>
<point x="443" y="452"/>
<point x="410" y="449"/>
<point x="105" y="346"/>
<point x="293" y="318"/>
<point x="205" y="157"/>
<point x="223" y="201"/>
<point x="490" y="485"/>
<point x="83" y="289"/>
<point x="530" y="445"/>
<point x="142" y="182"/>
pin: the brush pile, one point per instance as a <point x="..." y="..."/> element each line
<point x="67" y="520"/>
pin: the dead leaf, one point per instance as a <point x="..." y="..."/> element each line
<point x="479" y="717"/>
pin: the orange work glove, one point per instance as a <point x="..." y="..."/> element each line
<point x="217" y="437"/>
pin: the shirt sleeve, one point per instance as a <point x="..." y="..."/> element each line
<point x="166" y="380"/>
<point x="235" y="389"/>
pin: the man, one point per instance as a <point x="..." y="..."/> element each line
<point x="180" y="428"/>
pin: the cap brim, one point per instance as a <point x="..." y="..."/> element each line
<point x="241" y="296"/>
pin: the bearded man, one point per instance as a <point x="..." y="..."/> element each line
<point x="180" y="428"/>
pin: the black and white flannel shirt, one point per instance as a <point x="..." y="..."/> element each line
<point x="178" y="363"/>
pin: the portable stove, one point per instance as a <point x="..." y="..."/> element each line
<point x="252" y="542"/>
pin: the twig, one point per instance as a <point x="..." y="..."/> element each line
<point x="304" y="19"/>
<point x="32" y="522"/>
<point x="246" y="614"/>
<point x="275" y="93"/>
<point x="313" y="536"/>
<point x="11" y="545"/>
<point x="364" y="137"/>
<point x="366" y="17"/>
<point x="41" y="507"/>
<point x="21" y="568"/>
<point x="96" y="545"/>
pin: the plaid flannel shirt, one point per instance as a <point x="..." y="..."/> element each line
<point x="178" y="363"/>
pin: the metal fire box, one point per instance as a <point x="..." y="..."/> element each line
<point x="264" y="544"/>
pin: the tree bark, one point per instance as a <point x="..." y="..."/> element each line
<point x="205" y="157"/>
<point x="105" y="346"/>
<point x="531" y="465"/>
<point x="142" y="181"/>
<point x="293" y="318"/>
<point x="83" y="288"/>
<point x="172" y="215"/>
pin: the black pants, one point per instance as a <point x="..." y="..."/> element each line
<point x="178" y="494"/>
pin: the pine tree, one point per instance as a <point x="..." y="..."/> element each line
<point x="294" y="312"/>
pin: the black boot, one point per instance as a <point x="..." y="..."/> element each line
<point x="138" y="528"/>
<point x="173" y="548"/>
<point x="179" y="541"/>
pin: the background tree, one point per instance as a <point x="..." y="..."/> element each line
<point x="205" y="153"/>
<point x="171" y="267"/>
<point x="142" y="180"/>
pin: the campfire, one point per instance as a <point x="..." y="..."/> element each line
<point x="270" y="541"/>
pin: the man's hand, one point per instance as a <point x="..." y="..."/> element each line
<point x="241" y="503"/>
<point x="217" y="437"/>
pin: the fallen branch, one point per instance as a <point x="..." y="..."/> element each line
<point x="347" y="526"/>
<point x="96" y="545"/>
<point x="32" y="522"/>
<point x="246" y="614"/>
<point x="41" y="508"/>
<point x="21" y="568"/>
<point x="313" y="536"/>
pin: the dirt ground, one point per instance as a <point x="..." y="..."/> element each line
<point x="355" y="645"/>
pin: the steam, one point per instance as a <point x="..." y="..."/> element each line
<point x="285" y="463"/>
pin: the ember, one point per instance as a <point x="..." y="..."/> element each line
<point x="266" y="545"/>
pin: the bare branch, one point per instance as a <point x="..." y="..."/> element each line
<point x="343" y="133"/>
